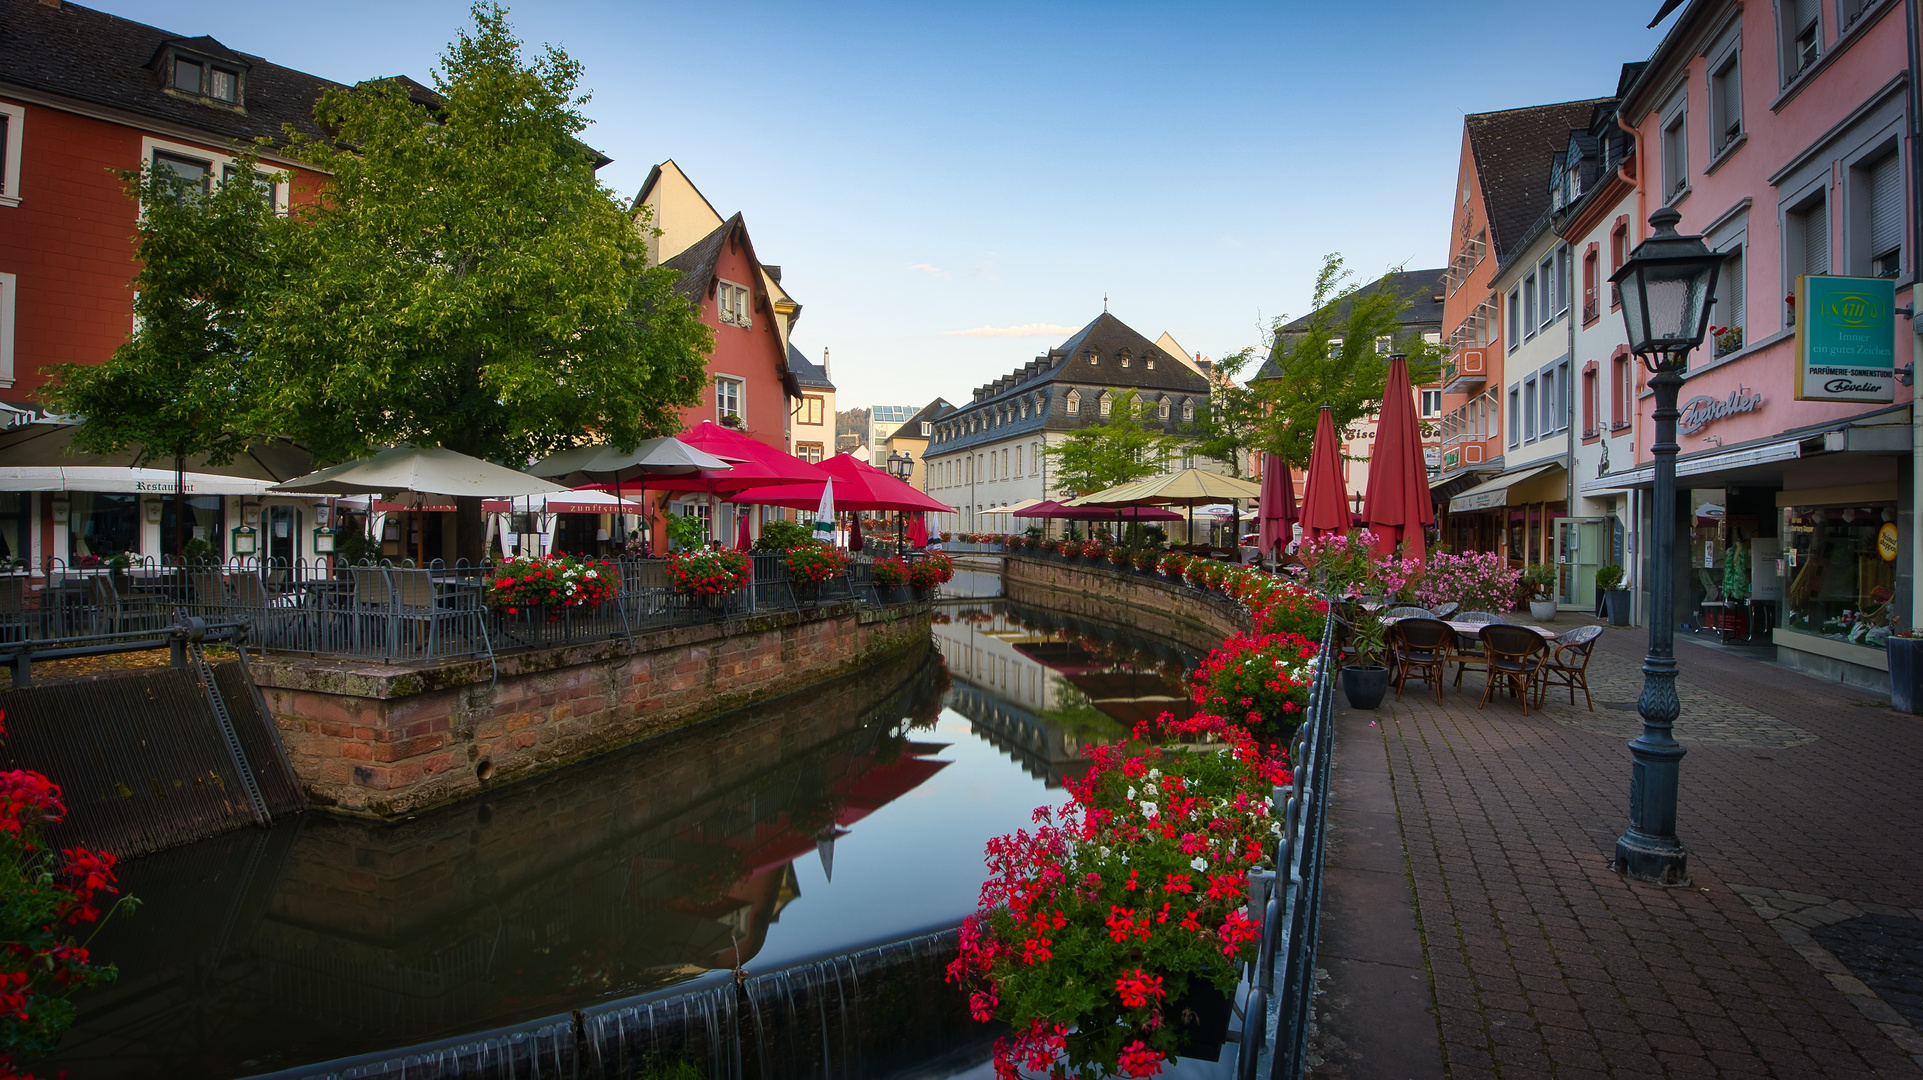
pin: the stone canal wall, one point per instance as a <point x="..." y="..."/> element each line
<point x="383" y="741"/>
<point x="1152" y="605"/>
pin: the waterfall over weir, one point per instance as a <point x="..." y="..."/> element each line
<point x="873" y="1012"/>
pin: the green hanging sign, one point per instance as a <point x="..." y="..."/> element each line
<point x="1845" y="339"/>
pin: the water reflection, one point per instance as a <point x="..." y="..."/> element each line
<point x="1041" y="685"/>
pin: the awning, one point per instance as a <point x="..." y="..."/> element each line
<point x="1701" y="465"/>
<point x="1495" y="492"/>
<point x="120" y="479"/>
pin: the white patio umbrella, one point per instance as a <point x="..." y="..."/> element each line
<point x="409" y="474"/>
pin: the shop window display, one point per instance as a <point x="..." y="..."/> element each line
<point x="14" y="544"/>
<point x="1841" y="572"/>
<point x="203" y="524"/>
<point x="103" y="525"/>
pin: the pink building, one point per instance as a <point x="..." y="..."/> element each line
<point x="1780" y="133"/>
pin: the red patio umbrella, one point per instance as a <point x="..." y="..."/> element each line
<point x="1325" y="509"/>
<point x="1275" y="512"/>
<point x="858" y="486"/>
<point x="742" y="541"/>
<point x="1397" y="505"/>
<point x="756" y="464"/>
<point x="918" y="530"/>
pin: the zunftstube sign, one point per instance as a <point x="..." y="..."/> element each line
<point x="1845" y="339"/>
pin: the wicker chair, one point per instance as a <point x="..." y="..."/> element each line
<point x="1408" y="612"/>
<point x="1469" y="652"/>
<point x="1446" y="610"/>
<point x="1515" y="658"/>
<point x="1568" y="664"/>
<point x="1422" y="648"/>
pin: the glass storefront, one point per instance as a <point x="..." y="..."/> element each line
<point x="102" y="525"/>
<point x="14" y="543"/>
<point x="1839" y="565"/>
<point x="203" y="523"/>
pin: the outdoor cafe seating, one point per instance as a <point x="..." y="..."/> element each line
<point x="1568" y="664"/>
<point x="1422" y="648"/>
<point x="1514" y="660"/>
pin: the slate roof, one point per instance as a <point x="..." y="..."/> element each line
<point x="697" y="263"/>
<point x="1423" y="288"/>
<point x="929" y="413"/>
<point x="1046" y="380"/>
<point x="86" y="55"/>
<point x="1513" y="150"/>
<point x="807" y="373"/>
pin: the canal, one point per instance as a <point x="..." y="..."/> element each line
<point x="852" y="814"/>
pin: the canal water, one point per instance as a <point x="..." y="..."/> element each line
<point x="852" y="814"/>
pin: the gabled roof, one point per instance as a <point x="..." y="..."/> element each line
<point x="90" y="56"/>
<point x="697" y="266"/>
<point x="808" y="374"/>
<point x="1512" y="151"/>
<point x="1422" y="288"/>
<point x="929" y="413"/>
<point x="1109" y="337"/>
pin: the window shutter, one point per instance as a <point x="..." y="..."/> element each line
<point x="1803" y="14"/>
<point x="1886" y="206"/>
<point x="1734" y="269"/>
<point x="1816" y="239"/>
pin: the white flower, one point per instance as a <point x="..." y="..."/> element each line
<point x="1124" y="858"/>
<point x="1148" y="809"/>
<point x="1131" y="794"/>
<point x="1200" y="864"/>
<point x="1155" y="774"/>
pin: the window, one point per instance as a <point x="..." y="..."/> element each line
<point x="1801" y="31"/>
<point x="812" y="410"/>
<point x="1161" y="409"/>
<point x="1675" y="155"/>
<point x="12" y="119"/>
<point x="193" y="170"/>
<point x="1125" y="358"/>
<point x="1530" y="307"/>
<point x="1104" y="404"/>
<point x="1035" y="457"/>
<point x="1728" y="315"/>
<point x="1432" y="338"/>
<point x="1383" y="343"/>
<point x="727" y="398"/>
<point x="1074" y="403"/>
<point x="1563" y="401"/>
<point x="809" y="452"/>
<point x="1546" y="402"/>
<point x="732" y="304"/>
<point x="1335" y="348"/>
<point x="1806" y="237"/>
<point x="1622" y="390"/>
<point x="1148" y="362"/>
<point x="1024" y="407"/>
<point x="1850" y="11"/>
<point x="1515" y="413"/>
<point x="1018" y="461"/>
<point x="1726" y="103"/>
<point x="1618" y="253"/>
<point x="1591" y="282"/>
<point x="1876" y="218"/>
<point x="1094" y="358"/>
<point x="1431" y="403"/>
<point x="187" y="75"/>
<point x="1515" y="319"/>
<point x="926" y="427"/>
<point x="1562" y="280"/>
<point x="1589" y="403"/>
<point x="1188" y="410"/>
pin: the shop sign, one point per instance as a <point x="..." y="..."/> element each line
<point x="1701" y="411"/>
<point x="1887" y="544"/>
<point x="1845" y="339"/>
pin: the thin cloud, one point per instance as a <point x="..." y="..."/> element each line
<point x="1026" y="330"/>
<point x="928" y="268"/>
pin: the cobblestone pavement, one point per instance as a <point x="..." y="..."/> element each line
<point x="1796" y="951"/>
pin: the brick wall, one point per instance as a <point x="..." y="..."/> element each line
<point x="383" y="741"/>
<point x="1154" y="606"/>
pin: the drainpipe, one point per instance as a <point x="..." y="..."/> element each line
<point x="1569" y="417"/>
<point x="1916" y="326"/>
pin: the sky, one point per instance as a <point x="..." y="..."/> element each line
<point x="951" y="190"/>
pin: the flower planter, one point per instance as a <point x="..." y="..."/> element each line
<point x="1202" y="1015"/>
<point x="1617" y="603"/>
<point x="1906" y="674"/>
<point x="895" y="594"/>
<point x="1365" y="686"/>
<point x="1542" y="610"/>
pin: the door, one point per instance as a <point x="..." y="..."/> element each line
<point x="1579" y="552"/>
<point x="283" y="535"/>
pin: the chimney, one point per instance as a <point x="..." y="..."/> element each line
<point x="824" y="365"/>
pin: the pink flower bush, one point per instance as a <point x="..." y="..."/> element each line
<point x="1478" y="580"/>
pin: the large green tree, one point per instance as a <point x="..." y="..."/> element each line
<point x="1332" y="359"/>
<point x="1121" y="448"/>
<point x="1225" y="432"/>
<point x="179" y="387"/>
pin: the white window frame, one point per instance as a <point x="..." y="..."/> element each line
<point x="220" y="164"/>
<point x="9" y="293"/>
<point x="1431" y="403"/>
<point x="16" y="129"/>
<point x="740" y="394"/>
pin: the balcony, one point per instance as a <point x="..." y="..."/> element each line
<point x="1465" y="372"/>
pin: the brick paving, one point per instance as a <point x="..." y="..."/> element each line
<point x="1801" y="813"/>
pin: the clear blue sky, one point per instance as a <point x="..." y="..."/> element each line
<point x="919" y="169"/>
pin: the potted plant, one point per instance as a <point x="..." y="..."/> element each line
<point x="1906" y="670"/>
<point x="891" y="579"/>
<point x="550" y="585"/>
<point x="811" y="564"/>
<point x="925" y="574"/>
<point x="1609" y="581"/>
<point x="1539" y="581"/>
<point x="1366" y="679"/>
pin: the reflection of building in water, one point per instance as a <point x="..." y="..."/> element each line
<point x="323" y="937"/>
<point x="1041" y="687"/>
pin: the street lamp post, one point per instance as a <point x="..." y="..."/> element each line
<point x="1666" y="288"/>
<point x="901" y="466"/>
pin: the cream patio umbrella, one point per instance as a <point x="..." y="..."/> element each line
<point x="407" y="474"/>
<point x="1185" y="487"/>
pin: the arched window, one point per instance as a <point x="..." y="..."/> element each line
<point x="1125" y="357"/>
<point x="1074" y="401"/>
<point x="1018" y="461"/>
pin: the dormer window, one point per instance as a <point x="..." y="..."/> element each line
<point x="187" y="74"/>
<point x="1075" y="400"/>
<point x="1161" y="409"/>
<point x="1094" y="358"/>
<point x="1125" y="358"/>
<point x="223" y="85"/>
<point x="202" y="68"/>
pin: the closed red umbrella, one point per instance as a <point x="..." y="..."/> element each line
<point x="855" y="542"/>
<point x="1275" y="512"/>
<point x="918" y="530"/>
<point x="1325" y="508"/>
<point x="1397" y="505"/>
<point x="742" y="541"/>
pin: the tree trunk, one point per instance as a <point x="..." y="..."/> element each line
<point x="469" y="534"/>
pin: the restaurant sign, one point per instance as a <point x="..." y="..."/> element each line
<point x="1845" y="339"/>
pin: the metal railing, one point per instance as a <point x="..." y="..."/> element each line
<point x="373" y="611"/>
<point x="1276" y="1018"/>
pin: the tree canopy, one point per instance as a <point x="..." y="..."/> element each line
<point x="1121" y="448"/>
<point x="1333" y="359"/>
